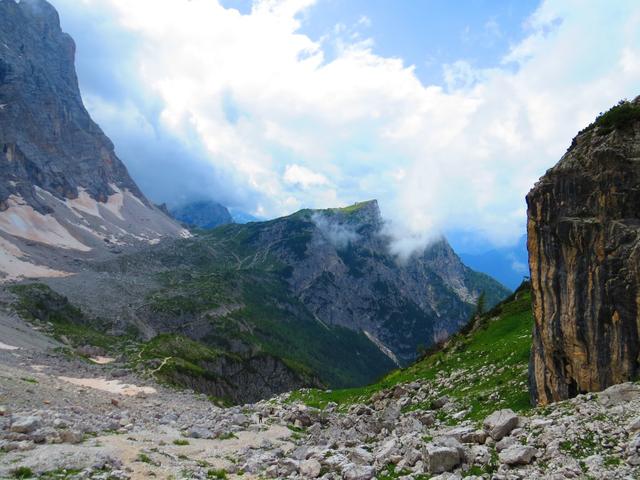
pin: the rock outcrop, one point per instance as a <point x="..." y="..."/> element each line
<point x="584" y="255"/>
<point x="61" y="184"/>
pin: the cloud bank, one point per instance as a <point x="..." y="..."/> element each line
<point x="202" y="100"/>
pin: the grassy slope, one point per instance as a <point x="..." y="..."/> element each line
<point x="487" y="368"/>
<point x="223" y="267"/>
<point x="271" y="320"/>
<point x="167" y="355"/>
<point x="227" y="265"/>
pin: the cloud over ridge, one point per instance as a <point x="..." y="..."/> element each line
<point x="250" y="110"/>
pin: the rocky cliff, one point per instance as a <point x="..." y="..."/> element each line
<point x="584" y="255"/>
<point x="341" y="269"/>
<point x="61" y="184"/>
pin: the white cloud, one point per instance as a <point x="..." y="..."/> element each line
<point x="304" y="177"/>
<point x="263" y="99"/>
<point x="338" y="234"/>
<point x="364" y="21"/>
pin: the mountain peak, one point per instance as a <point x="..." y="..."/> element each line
<point x="42" y="10"/>
<point x="610" y="129"/>
<point x="61" y="182"/>
<point x="203" y="214"/>
<point x="367" y="212"/>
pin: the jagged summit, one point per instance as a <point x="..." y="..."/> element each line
<point x="62" y="185"/>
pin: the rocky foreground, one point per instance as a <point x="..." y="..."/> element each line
<point x="66" y="417"/>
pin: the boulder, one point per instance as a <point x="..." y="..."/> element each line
<point x="199" y="432"/>
<point x="517" y="455"/>
<point x="360" y="456"/>
<point x="440" y="402"/>
<point x="355" y="472"/>
<point x="619" y="394"/>
<point x="310" y="468"/>
<point x="634" y="425"/>
<point x="387" y="453"/>
<point x="505" y="443"/>
<point x="71" y="436"/>
<point x="26" y="424"/>
<point x="500" y="423"/>
<point x="467" y="434"/>
<point x="439" y="459"/>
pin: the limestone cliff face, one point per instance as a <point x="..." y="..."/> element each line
<point x="61" y="184"/>
<point x="48" y="138"/>
<point x="342" y="270"/>
<point x="584" y="255"/>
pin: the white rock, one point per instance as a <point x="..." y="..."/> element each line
<point x="505" y="443"/>
<point x="517" y="455"/>
<point x="26" y="424"/>
<point x="386" y="452"/>
<point x="360" y="456"/>
<point x="634" y="425"/>
<point x="310" y="468"/>
<point x="353" y="472"/>
<point x="619" y="394"/>
<point x="499" y="424"/>
<point x="439" y="459"/>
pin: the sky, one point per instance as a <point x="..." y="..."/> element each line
<point x="446" y="112"/>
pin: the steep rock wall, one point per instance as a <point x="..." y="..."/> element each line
<point x="584" y="256"/>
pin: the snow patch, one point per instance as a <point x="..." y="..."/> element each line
<point x="21" y="220"/>
<point x="4" y="346"/>
<point x="14" y="267"/>
<point x="110" y="386"/>
<point x="102" y="360"/>
<point x="383" y="348"/>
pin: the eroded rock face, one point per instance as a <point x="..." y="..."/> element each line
<point x="584" y="255"/>
<point x="48" y="139"/>
<point x="62" y="187"/>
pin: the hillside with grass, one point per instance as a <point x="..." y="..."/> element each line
<point x="483" y="368"/>
<point x="318" y="292"/>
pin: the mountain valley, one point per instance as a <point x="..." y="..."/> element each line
<point x="138" y="342"/>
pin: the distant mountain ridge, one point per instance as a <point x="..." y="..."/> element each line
<point x="202" y="214"/>
<point x="322" y="279"/>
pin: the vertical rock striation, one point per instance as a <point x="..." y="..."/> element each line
<point x="584" y="255"/>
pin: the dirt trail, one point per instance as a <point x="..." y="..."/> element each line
<point x="166" y="458"/>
